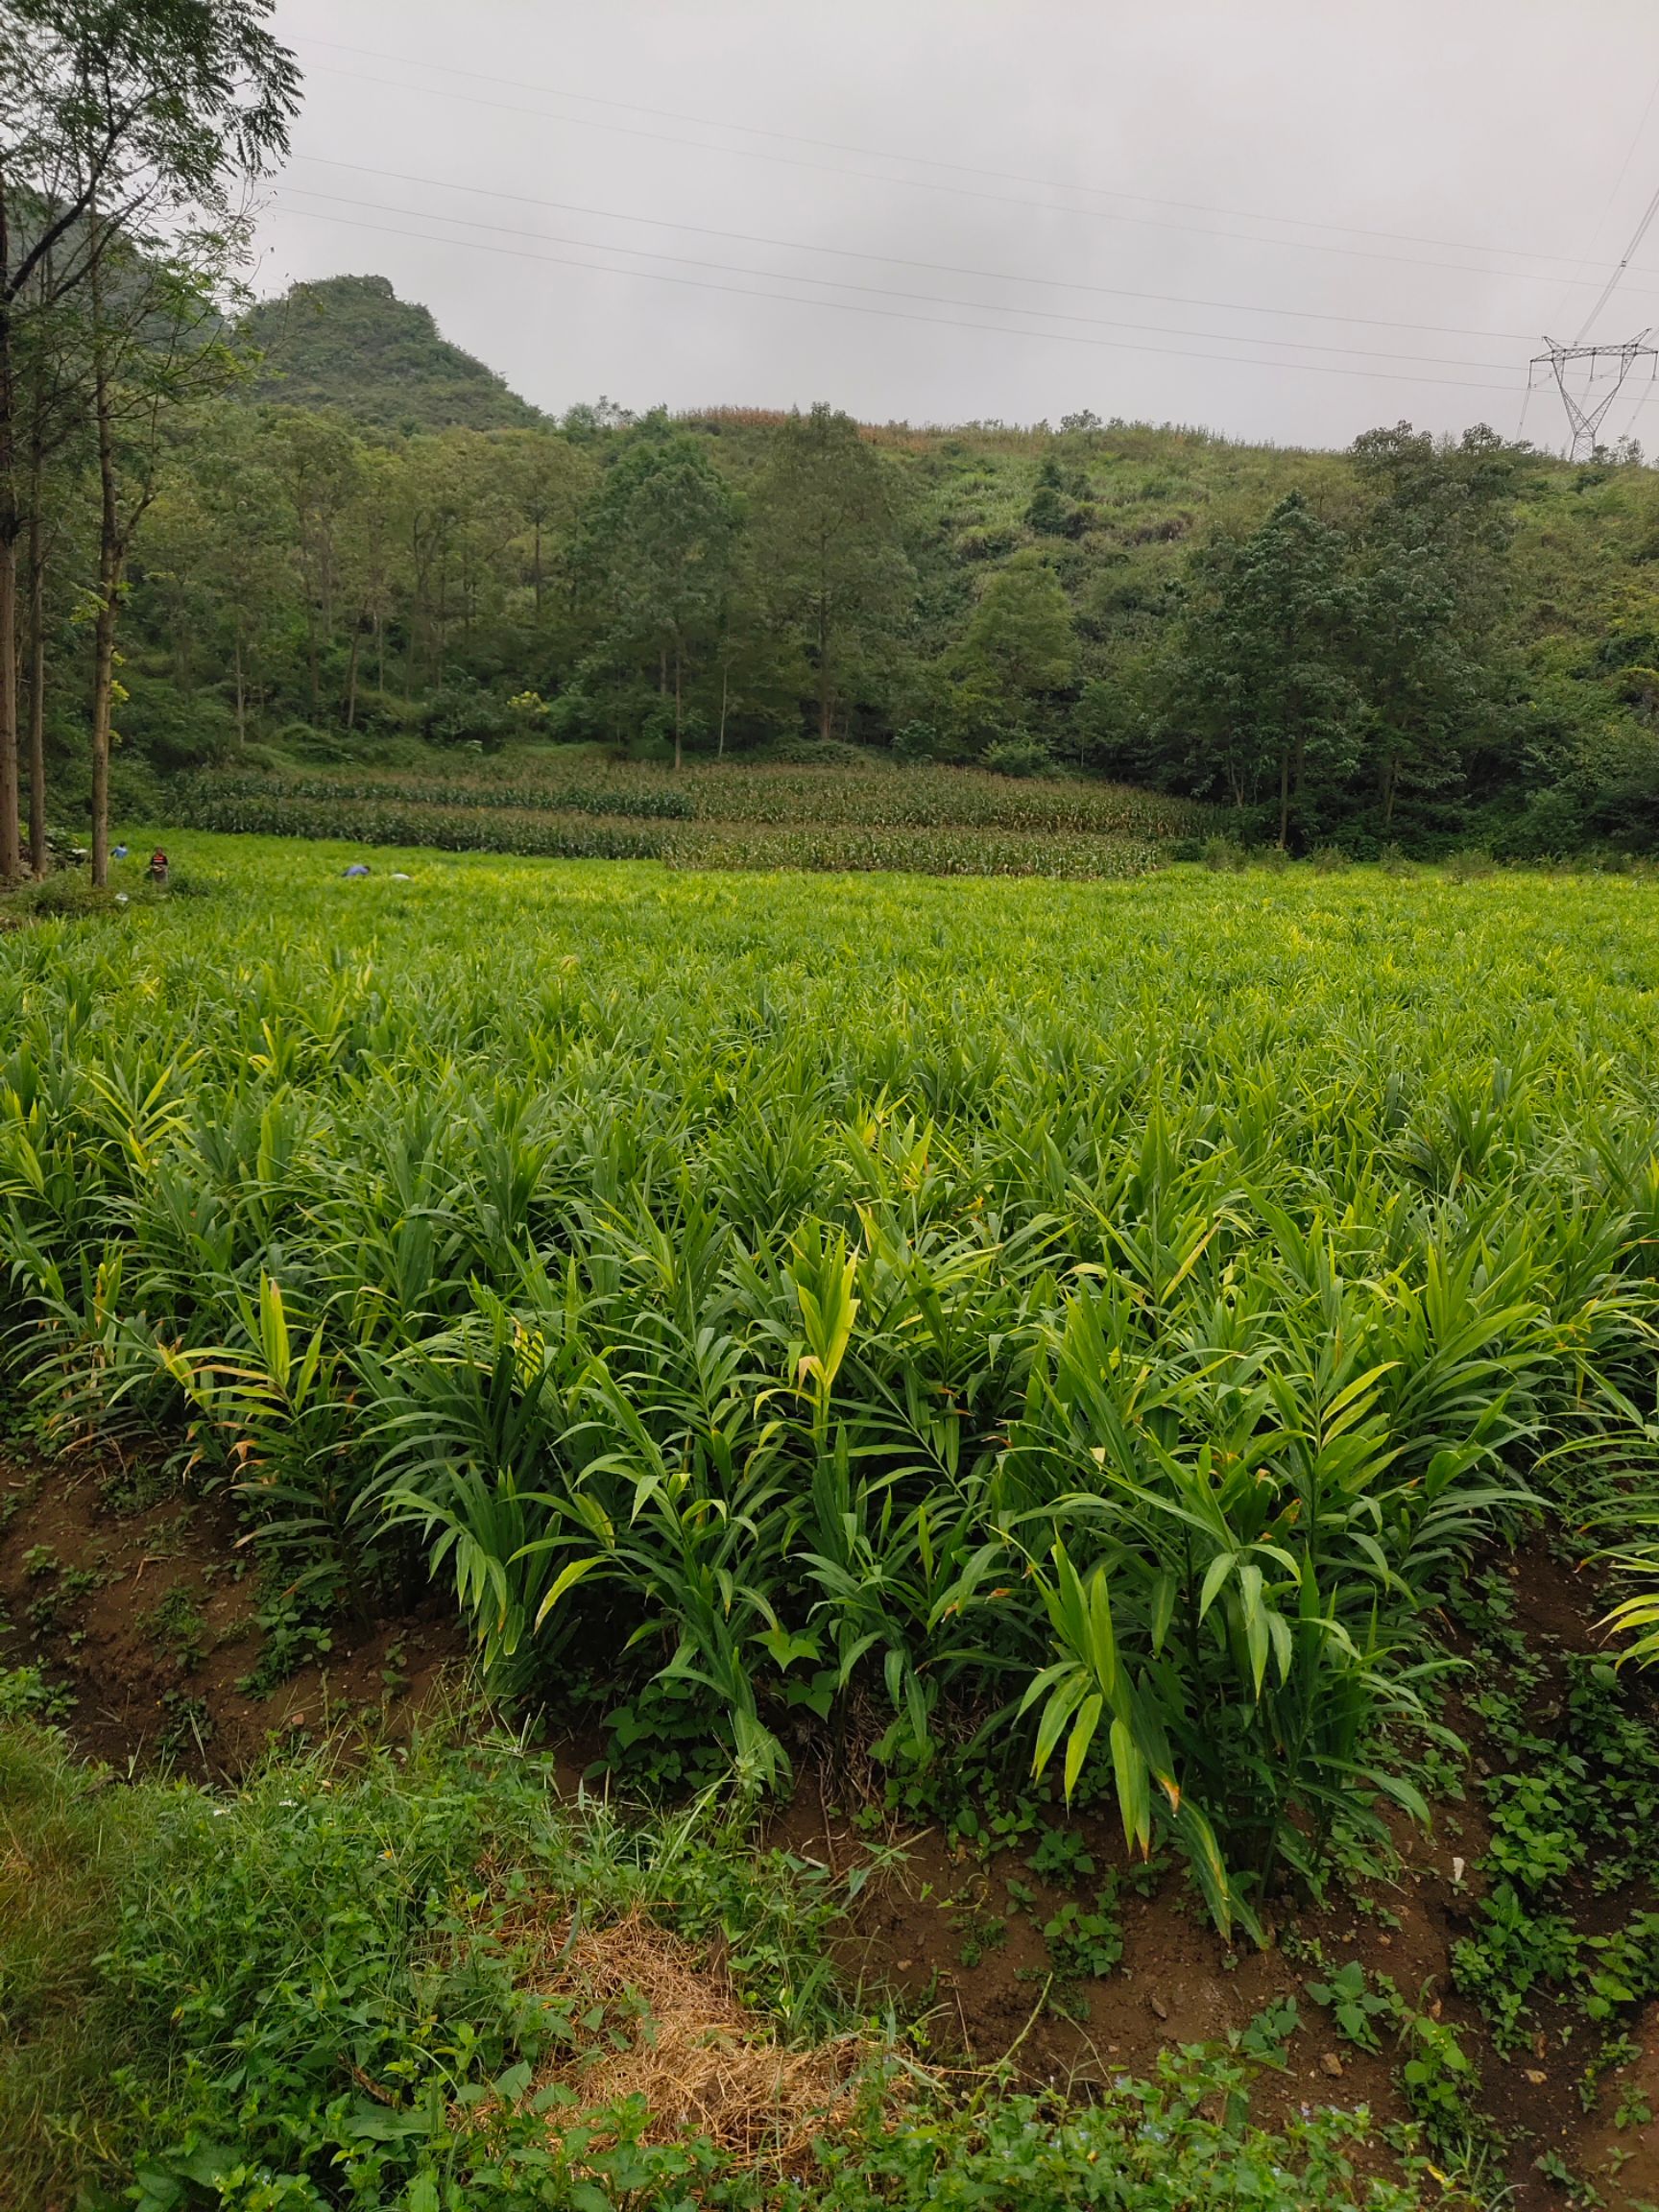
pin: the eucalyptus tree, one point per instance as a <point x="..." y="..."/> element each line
<point x="545" y="478"/>
<point x="126" y="128"/>
<point x="827" y="520"/>
<point x="1433" y="582"/>
<point x="1269" y="683"/>
<point x="662" y="533"/>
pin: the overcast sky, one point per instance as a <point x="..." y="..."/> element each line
<point x="1283" y="218"/>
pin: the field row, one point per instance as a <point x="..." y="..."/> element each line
<point x="1123" y="1305"/>
<point x="871" y="798"/>
<point x="567" y="834"/>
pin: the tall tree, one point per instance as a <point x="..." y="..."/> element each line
<point x="50" y="362"/>
<point x="826" y="525"/>
<point x="1268" y="687"/>
<point x="1019" y="641"/>
<point x="1431" y="553"/>
<point x="662" y="533"/>
<point x="128" y="121"/>
<point x="321" y="465"/>
<point x="545" y="479"/>
<point x="221" y="565"/>
<point x="155" y="342"/>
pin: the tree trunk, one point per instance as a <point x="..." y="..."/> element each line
<point x="826" y="690"/>
<point x="241" y="695"/>
<point x="36" y="634"/>
<point x="536" y="571"/>
<point x="351" y="677"/>
<point x="104" y="628"/>
<point x="1298" y="765"/>
<point x="1283" y="794"/>
<point x="103" y="676"/>
<point x="725" y="693"/>
<point x="10" y="522"/>
<point x="11" y="859"/>
<point x="679" y="717"/>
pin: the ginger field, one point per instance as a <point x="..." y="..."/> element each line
<point x="1091" y="1344"/>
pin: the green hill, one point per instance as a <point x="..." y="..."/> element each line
<point x="349" y="342"/>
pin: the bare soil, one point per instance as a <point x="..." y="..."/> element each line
<point x="145" y="1614"/>
<point x="963" y="1936"/>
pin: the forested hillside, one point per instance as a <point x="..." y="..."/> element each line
<point x="369" y="544"/>
<point x="349" y="342"/>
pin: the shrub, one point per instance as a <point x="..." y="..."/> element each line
<point x="819" y="752"/>
<point x="304" y="741"/>
<point x="1465" y="866"/>
<point x="1017" y="756"/>
<point x="1554" y="822"/>
<point x="467" y="714"/>
<point x="915" y="743"/>
<point x="172" y="728"/>
<point x="1223" y="857"/>
<point x="1329" y="860"/>
<point x="265" y="759"/>
<point x="413" y="1983"/>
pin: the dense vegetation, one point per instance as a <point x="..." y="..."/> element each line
<point x="1086" y="1332"/>
<point x="1125" y="1307"/>
<point x="1406" y="644"/>
<point x="1402" y="644"/>
<point x="350" y="342"/>
<point x="1075" y="1367"/>
<point x="453" y="2022"/>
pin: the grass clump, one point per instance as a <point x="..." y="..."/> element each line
<point x="63" y="1845"/>
<point x="409" y="1977"/>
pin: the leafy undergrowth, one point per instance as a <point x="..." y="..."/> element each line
<point x="1073" y="1338"/>
<point x="423" y="1982"/>
<point x="1493" y="1986"/>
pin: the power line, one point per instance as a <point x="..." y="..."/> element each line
<point x="1612" y="284"/>
<point x="901" y="261"/>
<point x="933" y="161"/>
<point x="927" y="185"/>
<point x="891" y="292"/>
<point x="900" y="315"/>
<point x="1619" y="181"/>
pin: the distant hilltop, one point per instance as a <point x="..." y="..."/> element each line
<point x="351" y="343"/>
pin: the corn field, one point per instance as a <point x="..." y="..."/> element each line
<point x="585" y="835"/>
<point x="942" y="822"/>
<point x="1095" y="1322"/>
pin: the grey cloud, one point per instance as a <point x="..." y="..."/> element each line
<point x="1492" y="169"/>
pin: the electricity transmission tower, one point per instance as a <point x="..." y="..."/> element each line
<point x="1589" y="379"/>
